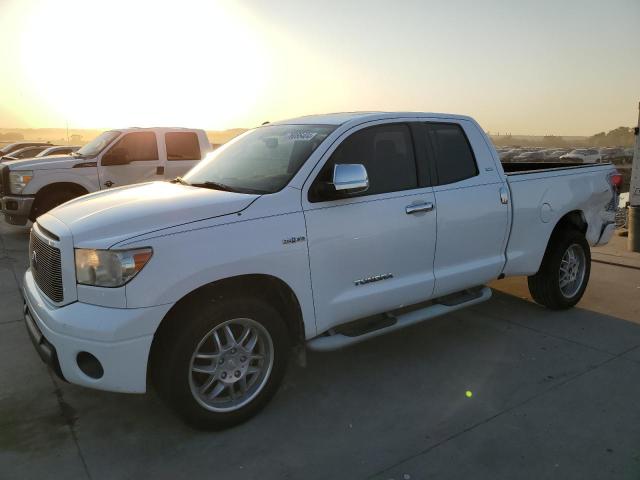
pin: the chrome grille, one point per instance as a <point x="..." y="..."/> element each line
<point x="4" y="180"/>
<point x="44" y="260"/>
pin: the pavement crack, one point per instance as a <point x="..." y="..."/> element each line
<point x="68" y="413"/>
<point x="426" y="451"/>
<point x="7" y="322"/>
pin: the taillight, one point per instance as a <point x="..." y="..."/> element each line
<point x="616" y="181"/>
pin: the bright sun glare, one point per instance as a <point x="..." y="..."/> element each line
<point x="144" y="62"/>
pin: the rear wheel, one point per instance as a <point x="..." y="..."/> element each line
<point x="224" y="364"/>
<point x="564" y="273"/>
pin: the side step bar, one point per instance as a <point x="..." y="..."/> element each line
<point x="333" y="340"/>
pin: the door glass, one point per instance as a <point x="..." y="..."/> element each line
<point x="138" y="147"/>
<point x="385" y="151"/>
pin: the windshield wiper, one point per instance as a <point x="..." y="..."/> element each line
<point x="227" y="188"/>
<point x="180" y="180"/>
<point x="215" y="186"/>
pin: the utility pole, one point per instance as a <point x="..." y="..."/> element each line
<point x="633" y="241"/>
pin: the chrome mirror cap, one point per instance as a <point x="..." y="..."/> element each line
<point x="350" y="178"/>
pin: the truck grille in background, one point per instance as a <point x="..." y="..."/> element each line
<point x="45" y="267"/>
<point x="4" y="180"/>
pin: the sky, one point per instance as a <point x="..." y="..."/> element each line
<point x="523" y="67"/>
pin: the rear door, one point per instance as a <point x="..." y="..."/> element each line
<point x="472" y="219"/>
<point x="183" y="153"/>
<point x="134" y="158"/>
<point x="372" y="252"/>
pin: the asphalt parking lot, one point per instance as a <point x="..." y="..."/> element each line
<point x="553" y="395"/>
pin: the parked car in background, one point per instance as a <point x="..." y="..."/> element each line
<point x="12" y="147"/>
<point x="583" y="155"/>
<point x="536" y="155"/>
<point x="115" y="158"/>
<point x="58" y="150"/>
<point x="628" y="153"/>
<point x="554" y="154"/>
<point x="508" y="154"/>
<point x="25" y="152"/>
<point x="317" y="232"/>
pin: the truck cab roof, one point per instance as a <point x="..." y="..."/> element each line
<point x="341" y="118"/>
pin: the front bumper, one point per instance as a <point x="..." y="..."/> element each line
<point x="16" y="209"/>
<point x="79" y="327"/>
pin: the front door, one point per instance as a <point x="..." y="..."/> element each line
<point x="373" y="252"/>
<point x="132" y="159"/>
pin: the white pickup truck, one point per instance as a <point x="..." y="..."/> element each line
<point x="31" y="187"/>
<point x="317" y="232"/>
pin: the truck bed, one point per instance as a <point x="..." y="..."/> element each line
<point x="515" y="168"/>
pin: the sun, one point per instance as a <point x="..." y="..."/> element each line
<point x="144" y="63"/>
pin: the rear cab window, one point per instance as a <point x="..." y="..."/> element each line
<point x="182" y="146"/>
<point x="454" y="157"/>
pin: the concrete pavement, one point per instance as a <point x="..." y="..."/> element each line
<point x="553" y="395"/>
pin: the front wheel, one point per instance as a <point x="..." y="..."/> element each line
<point x="225" y="363"/>
<point x="564" y="274"/>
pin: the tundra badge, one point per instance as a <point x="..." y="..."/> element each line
<point x="287" y="241"/>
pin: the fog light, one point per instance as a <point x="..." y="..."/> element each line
<point x="90" y="365"/>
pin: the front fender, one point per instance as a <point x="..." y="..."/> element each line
<point x="183" y="262"/>
<point x="86" y="177"/>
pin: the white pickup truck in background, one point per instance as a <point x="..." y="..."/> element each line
<point x="34" y="186"/>
<point x="317" y="232"/>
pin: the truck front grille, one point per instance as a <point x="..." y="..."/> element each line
<point x="4" y="180"/>
<point x="44" y="260"/>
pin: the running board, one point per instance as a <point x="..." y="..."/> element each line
<point x="334" y="340"/>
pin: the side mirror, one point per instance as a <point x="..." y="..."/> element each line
<point x="350" y="178"/>
<point x="115" y="156"/>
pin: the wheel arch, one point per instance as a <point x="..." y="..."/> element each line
<point x="41" y="194"/>
<point x="267" y="287"/>
<point x="575" y="219"/>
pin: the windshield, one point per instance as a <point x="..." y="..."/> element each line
<point x="95" y="146"/>
<point x="261" y="161"/>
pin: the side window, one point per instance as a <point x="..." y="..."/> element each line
<point x="182" y="146"/>
<point x="386" y="151"/>
<point x="138" y="146"/>
<point x="454" y="158"/>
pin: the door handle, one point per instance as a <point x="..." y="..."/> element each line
<point x="108" y="184"/>
<point x="160" y="171"/>
<point x="419" y="207"/>
<point x="504" y="196"/>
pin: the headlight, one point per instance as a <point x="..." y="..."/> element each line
<point x="19" y="179"/>
<point x="109" y="268"/>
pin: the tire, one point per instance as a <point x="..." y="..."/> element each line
<point x="546" y="286"/>
<point x="50" y="201"/>
<point x="175" y="358"/>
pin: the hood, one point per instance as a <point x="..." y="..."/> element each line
<point x="101" y="219"/>
<point x="49" y="162"/>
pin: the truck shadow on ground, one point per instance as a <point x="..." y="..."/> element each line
<point x="360" y="409"/>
